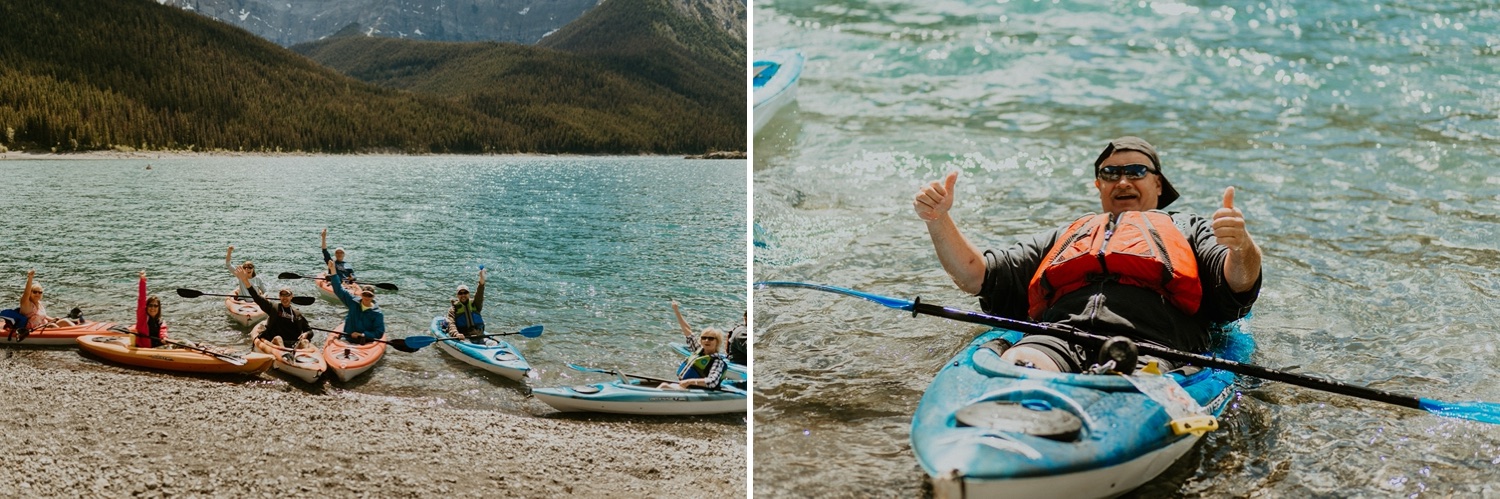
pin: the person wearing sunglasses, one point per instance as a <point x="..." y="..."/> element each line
<point x="337" y="258"/>
<point x="1133" y="270"/>
<point x="464" y="314"/>
<point x="285" y="325"/>
<point x="35" y="310"/>
<point x="253" y="282"/>
<point x="149" y="328"/>
<point x="364" y="322"/>
<point x="706" y="368"/>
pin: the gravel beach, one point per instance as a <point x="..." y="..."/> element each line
<point x="96" y="429"/>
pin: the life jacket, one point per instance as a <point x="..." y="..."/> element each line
<point x="1136" y="248"/>
<point x="465" y="317"/>
<point x="17" y="320"/>
<point x="696" y="367"/>
<point x="154" y="333"/>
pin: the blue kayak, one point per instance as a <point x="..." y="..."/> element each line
<point x="734" y="372"/>
<point x="641" y="396"/>
<point x="986" y="427"/>
<point x="494" y="355"/>
<point x="775" y="83"/>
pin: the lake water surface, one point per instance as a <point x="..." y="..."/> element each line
<point x="1362" y="139"/>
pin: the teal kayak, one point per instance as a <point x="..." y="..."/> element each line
<point x="642" y="397"/>
<point x="496" y="356"/>
<point x="737" y="372"/>
<point x="775" y="83"/>
<point x="986" y="427"/>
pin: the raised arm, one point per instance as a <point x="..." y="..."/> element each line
<point x="244" y="277"/>
<point x="960" y="258"/>
<point x="687" y="330"/>
<point x="140" y="305"/>
<point x="1242" y="266"/>
<point x="323" y="236"/>
<point x="337" y="282"/>
<point x="25" y="292"/>
<point x="228" y="259"/>
<point x="479" y="293"/>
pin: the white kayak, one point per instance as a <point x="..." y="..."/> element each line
<point x="775" y="83"/>
<point x="641" y="396"/>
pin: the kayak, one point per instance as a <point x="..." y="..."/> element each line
<point x="121" y="348"/>
<point x="986" y="427"/>
<point x="775" y="83"/>
<point x="495" y="356"/>
<point x="641" y="397"/>
<point x="61" y="335"/>
<point x="326" y="289"/>
<point x="734" y="372"/>
<point x="245" y="312"/>
<point x="305" y="364"/>
<point x="348" y="360"/>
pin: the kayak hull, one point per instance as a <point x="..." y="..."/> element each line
<point x="1124" y="439"/>
<point x="495" y="356"/>
<point x="325" y="289"/>
<point x="735" y="372"/>
<point x="774" y="93"/>
<point x="348" y="360"/>
<point x="621" y="398"/>
<point x="244" y="312"/>
<point x="56" y="336"/>
<point x="121" y="348"/>
<point x="305" y="364"/>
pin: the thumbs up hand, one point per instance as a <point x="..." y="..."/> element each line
<point x="1229" y="224"/>
<point x="936" y="198"/>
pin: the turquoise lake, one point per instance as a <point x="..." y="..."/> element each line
<point x="591" y="248"/>
<point x="1362" y="140"/>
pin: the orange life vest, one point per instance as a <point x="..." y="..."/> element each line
<point x="1137" y="248"/>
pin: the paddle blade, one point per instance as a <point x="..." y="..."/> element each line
<point x="188" y="293"/>
<point x="1484" y="412"/>
<point x="887" y="301"/>
<point x="386" y="285"/>
<point x="532" y="332"/>
<point x="577" y="367"/>
<point x="304" y="300"/>
<point x="288" y="275"/>
<point x="419" y="341"/>
<point x="400" y="344"/>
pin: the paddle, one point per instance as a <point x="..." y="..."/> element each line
<point x="1486" y="412"/>
<point x="398" y="343"/>
<point x="193" y="293"/>
<point x="622" y="376"/>
<point x="422" y="341"/>
<point x="232" y="359"/>
<point x="294" y="275"/>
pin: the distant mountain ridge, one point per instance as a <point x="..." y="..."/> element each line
<point x="289" y="22"/>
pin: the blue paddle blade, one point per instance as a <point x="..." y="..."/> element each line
<point x="419" y="341"/>
<point x="577" y="367"/>
<point x="532" y="332"/>
<point x="895" y="303"/>
<point x="1484" y="412"/>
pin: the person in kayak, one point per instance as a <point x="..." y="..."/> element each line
<point x="364" y="322"/>
<point x="1136" y="270"/>
<point x="687" y="334"/>
<point x="464" y="314"/>
<point x="285" y="325"/>
<point x="738" y="340"/>
<point x="149" y="328"/>
<point x="243" y="288"/>
<point x="706" y="368"/>
<point x="36" y="311"/>
<point x="337" y="258"/>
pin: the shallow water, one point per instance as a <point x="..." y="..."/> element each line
<point x="1360" y="139"/>
<point x="592" y="249"/>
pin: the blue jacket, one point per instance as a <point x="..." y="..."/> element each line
<point x="370" y="322"/>
<point x="338" y="265"/>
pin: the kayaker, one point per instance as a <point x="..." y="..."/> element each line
<point x="337" y="258"/>
<point x="254" y="281"/>
<point x="1154" y="295"/>
<point x="364" y="321"/>
<point x="36" y="311"/>
<point x="739" y="337"/>
<point x="285" y="325"/>
<point x="706" y="368"/>
<point x="463" y="314"/>
<point x="148" y="318"/>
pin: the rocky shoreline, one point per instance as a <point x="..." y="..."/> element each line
<point x="104" y="430"/>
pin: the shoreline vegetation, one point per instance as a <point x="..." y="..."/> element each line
<point x="101" y="430"/>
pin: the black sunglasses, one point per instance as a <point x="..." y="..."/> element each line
<point x="1131" y="172"/>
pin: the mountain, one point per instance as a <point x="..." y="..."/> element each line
<point x="98" y="74"/>
<point x="289" y="22"/>
<point x="662" y="76"/>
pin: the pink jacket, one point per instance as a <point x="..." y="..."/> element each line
<point x="141" y="319"/>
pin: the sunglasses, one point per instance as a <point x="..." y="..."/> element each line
<point x="463" y="292"/>
<point x="1129" y="172"/>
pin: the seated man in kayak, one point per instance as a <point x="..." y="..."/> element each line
<point x="687" y="334"/>
<point x="739" y="337"/>
<point x="285" y="325"/>
<point x="706" y="369"/>
<point x="36" y="311"/>
<point x="364" y="322"/>
<point x="254" y="281"/>
<point x="1135" y="270"/>
<point x="463" y="314"/>
<point x="337" y="258"/>
<point x="149" y="328"/>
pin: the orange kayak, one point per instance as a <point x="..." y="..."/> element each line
<point x="245" y="312"/>
<point x="60" y="335"/>
<point x="348" y="360"/>
<point x="121" y="348"/>
<point x="305" y="364"/>
<point x="326" y="288"/>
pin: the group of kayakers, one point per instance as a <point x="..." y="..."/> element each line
<point x="364" y="321"/>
